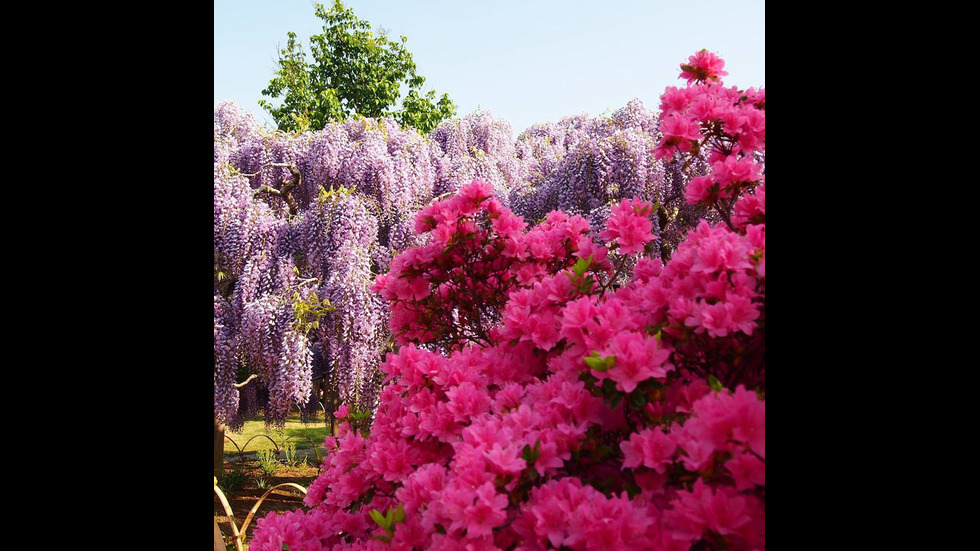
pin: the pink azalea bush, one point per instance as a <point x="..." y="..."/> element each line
<point x="532" y="404"/>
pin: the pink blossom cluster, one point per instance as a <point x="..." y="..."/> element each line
<point x="629" y="223"/>
<point x="532" y="404"/>
<point x="451" y="291"/>
<point x="724" y="126"/>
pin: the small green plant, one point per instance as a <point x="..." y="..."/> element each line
<point x="234" y="479"/>
<point x="269" y="461"/>
<point x="291" y="459"/>
<point x="261" y="483"/>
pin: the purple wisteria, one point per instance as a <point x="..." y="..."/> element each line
<point x="361" y="184"/>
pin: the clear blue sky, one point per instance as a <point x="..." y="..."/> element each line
<point x="526" y="61"/>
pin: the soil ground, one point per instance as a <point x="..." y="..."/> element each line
<point x="241" y="486"/>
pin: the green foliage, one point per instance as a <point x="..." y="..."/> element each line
<point x="269" y="461"/>
<point x="351" y="71"/>
<point x="388" y="521"/>
<point x="583" y="283"/>
<point x="234" y="479"/>
<point x="600" y="363"/>
<point x="261" y="483"/>
<point x="360" y="420"/>
<point x="309" y="312"/>
<point x="332" y="194"/>
<point x="290" y="450"/>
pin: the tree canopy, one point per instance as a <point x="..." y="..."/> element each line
<point x="351" y="70"/>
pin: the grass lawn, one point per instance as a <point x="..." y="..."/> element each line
<point x="295" y="433"/>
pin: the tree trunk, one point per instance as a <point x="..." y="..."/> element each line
<point x="219" y="448"/>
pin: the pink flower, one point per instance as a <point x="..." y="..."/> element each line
<point x="427" y="481"/>
<point x="678" y="131"/>
<point x="505" y="459"/>
<point x="721" y="251"/>
<point x="708" y="107"/>
<point x="674" y="99"/>
<point x="486" y="513"/>
<point x="747" y="470"/>
<point x="678" y="128"/>
<point x="439" y="422"/>
<point x="637" y="359"/>
<point x="722" y="512"/>
<point x="733" y="172"/>
<point x="651" y="448"/>
<point x="508" y="225"/>
<point x="538" y="245"/>
<point x="515" y="247"/>
<point x="701" y="66"/>
<point x="578" y="316"/>
<point x="475" y="192"/>
<point x="600" y="255"/>
<point x="614" y="523"/>
<point x="466" y="402"/>
<point x="629" y="222"/>
<point x="712" y="318"/>
<point x="751" y="208"/>
<point x="753" y="135"/>
<point x="742" y="313"/>
<point x="647" y="268"/>
<point x="701" y="189"/>
<point x="720" y="416"/>
<point x="550" y="459"/>
<point x="425" y="219"/>
<point x="698" y="453"/>
<point x="380" y="283"/>
<point x="544" y="332"/>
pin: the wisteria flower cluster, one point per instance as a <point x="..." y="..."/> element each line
<point x="266" y="247"/>
<point x="581" y="415"/>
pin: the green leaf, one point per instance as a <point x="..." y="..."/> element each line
<point x="379" y="518"/>
<point x="526" y="453"/>
<point x="589" y="284"/>
<point x="601" y="364"/>
<point x="581" y="266"/>
<point x="715" y="384"/>
<point x="399" y="514"/>
<point x="615" y="400"/>
<point x="637" y="400"/>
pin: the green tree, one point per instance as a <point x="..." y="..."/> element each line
<point x="352" y="71"/>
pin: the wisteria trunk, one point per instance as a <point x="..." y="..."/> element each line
<point x="219" y="448"/>
<point x="219" y="539"/>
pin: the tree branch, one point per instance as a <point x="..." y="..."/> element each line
<point x="284" y="192"/>
<point x="246" y="381"/>
<point x="283" y="165"/>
